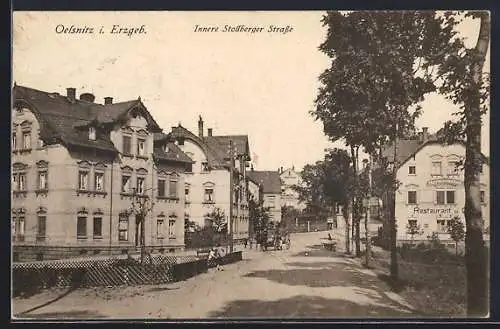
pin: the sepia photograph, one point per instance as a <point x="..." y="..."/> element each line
<point x="225" y="165"/>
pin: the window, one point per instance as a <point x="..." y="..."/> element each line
<point x="141" y="147"/>
<point x="271" y="201"/>
<point x="186" y="194"/>
<point x="412" y="197"/>
<point x="204" y="166"/>
<point x="81" y="227"/>
<point x="412" y="170"/>
<point x="22" y="182"/>
<point x="41" y="227"/>
<point x="483" y="196"/>
<point x="97" y="227"/>
<point x="99" y="181"/>
<point x="123" y="227"/>
<point x="83" y="180"/>
<point x="209" y="195"/>
<point x="14" y="182"/>
<point x="159" y="228"/>
<point x="440" y="197"/>
<point x="171" y="228"/>
<point x="161" y="187"/>
<point x="452" y="168"/>
<point x="125" y="183"/>
<point x="442" y="225"/>
<point x="127" y="145"/>
<point x="172" y="189"/>
<point x="92" y="134"/>
<point x="19" y="227"/>
<point x="140" y="185"/>
<point x="42" y="180"/>
<point x="450" y="197"/>
<point x="14" y="141"/>
<point x="436" y="168"/>
<point x="412" y="222"/>
<point x="445" y="197"/>
<point x="26" y="140"/>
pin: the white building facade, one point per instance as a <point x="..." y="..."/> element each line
<point x="432" y="192"/>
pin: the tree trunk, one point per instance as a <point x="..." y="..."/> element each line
<point x="476" y="254"/>
<point x="356" y="220"/>
<point x="393" y="235"/>
<point x="345" y="214"/>
<point x="367" y="243"/>
<point x="392" y="209"/>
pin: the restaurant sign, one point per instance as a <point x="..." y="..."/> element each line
<point x="440" y="182"/>
<point x="439" y="212"/>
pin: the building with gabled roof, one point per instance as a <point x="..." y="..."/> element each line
<point x="289" y="194"/>
<point x="270" y="182"/>
<point x="431" y="186"/>
<point x="208" y="185"/>
<point x="75" y="167"/>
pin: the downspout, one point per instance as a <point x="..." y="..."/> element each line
<point x="111" y="210"/>
<point x="151" y="230"/>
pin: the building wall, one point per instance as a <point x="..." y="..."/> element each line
<point x="426" y="211"/>
<point x="218" y="180"/>
<point x="273" y="201"/>
<point x="63" y="202"/>
<point x="289" y="196"/>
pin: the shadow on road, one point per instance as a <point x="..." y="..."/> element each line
<point x="340" y="275"/>
<point x="305" y="307"/>
<point x="84" y="314"/>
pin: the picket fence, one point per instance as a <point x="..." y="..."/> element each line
<point x="31" y="278"/>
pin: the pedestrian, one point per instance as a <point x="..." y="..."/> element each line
<point x="246" y="242"/>
<point x="329" y="236"/>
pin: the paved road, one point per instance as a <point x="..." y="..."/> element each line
<point x="303" y="282"/>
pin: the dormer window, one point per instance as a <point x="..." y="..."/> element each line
<point x="92" y="133"/>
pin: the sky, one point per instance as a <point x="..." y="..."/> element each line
<point x="259" y="84"/>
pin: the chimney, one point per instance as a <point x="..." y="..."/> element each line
<point x="210" y="130"/>
<point x="108" y="100"/>
<point x="200" y="127"/>
<point x="425" y="134"/>
<point x="88" y="97"/>
<point x="71" y="94"/>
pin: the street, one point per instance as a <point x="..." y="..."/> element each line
<point x="303" y="282"/>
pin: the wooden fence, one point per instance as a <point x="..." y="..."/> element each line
<point x="31" y="278"/>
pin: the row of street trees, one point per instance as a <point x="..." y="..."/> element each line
<point x="382" y="65"/>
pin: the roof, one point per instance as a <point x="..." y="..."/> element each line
<point x="172" y="153"/>
<point x="269" y="180"/>
<point x="64" y="120"/>
<point x="407" y="148"/>
<point x="216" y="148"/>
<point x="240" y="143"/>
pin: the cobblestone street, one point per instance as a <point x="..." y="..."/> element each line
<point x="303" y="282"/>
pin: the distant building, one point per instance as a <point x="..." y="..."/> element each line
<point x="207" y="186"/>
<point x="432" y="190"/>
<point x="271" y="191"/>
<point x="289" y="195"/>
<point x="75" y="165"/>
